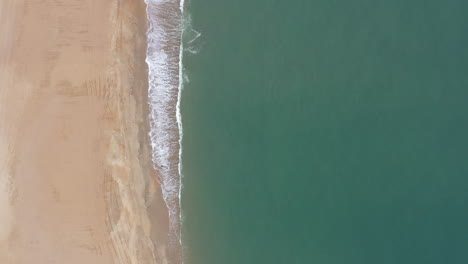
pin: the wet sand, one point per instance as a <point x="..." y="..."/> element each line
<point x="76" y="179"/>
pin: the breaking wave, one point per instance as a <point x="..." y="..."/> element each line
<point x="164" y="57"/>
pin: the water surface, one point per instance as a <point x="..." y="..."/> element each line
<point x="320" y="131"/>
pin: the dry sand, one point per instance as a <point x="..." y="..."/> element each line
<point x="76" y="184"/>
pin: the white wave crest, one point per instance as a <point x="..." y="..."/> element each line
<point x="164" y="57"/>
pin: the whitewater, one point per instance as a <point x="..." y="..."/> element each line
<point x="164" y="59"/>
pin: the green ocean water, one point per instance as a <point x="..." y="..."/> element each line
<point x="325" y="131"/>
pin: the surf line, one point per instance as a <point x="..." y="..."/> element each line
<point x="164" y="59"/>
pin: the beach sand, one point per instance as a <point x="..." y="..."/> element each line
<point x="76" y="178"/>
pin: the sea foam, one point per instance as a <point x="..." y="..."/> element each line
<point x="164" y="58"/>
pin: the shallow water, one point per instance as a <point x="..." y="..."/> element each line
<point x="326" y="132"/>
<point x="163" y="59"/>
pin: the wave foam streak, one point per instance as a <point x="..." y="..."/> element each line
<point x="163" y="59"/>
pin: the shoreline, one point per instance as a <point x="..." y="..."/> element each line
<point x="164" y="64"/>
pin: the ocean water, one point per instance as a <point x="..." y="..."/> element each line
<point x="324" y="131"/>
<point x="164" y="57"/>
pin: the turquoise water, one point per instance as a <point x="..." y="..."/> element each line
<point x="321" y="131"/>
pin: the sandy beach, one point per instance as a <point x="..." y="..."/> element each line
<point x="76" y="178"/>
